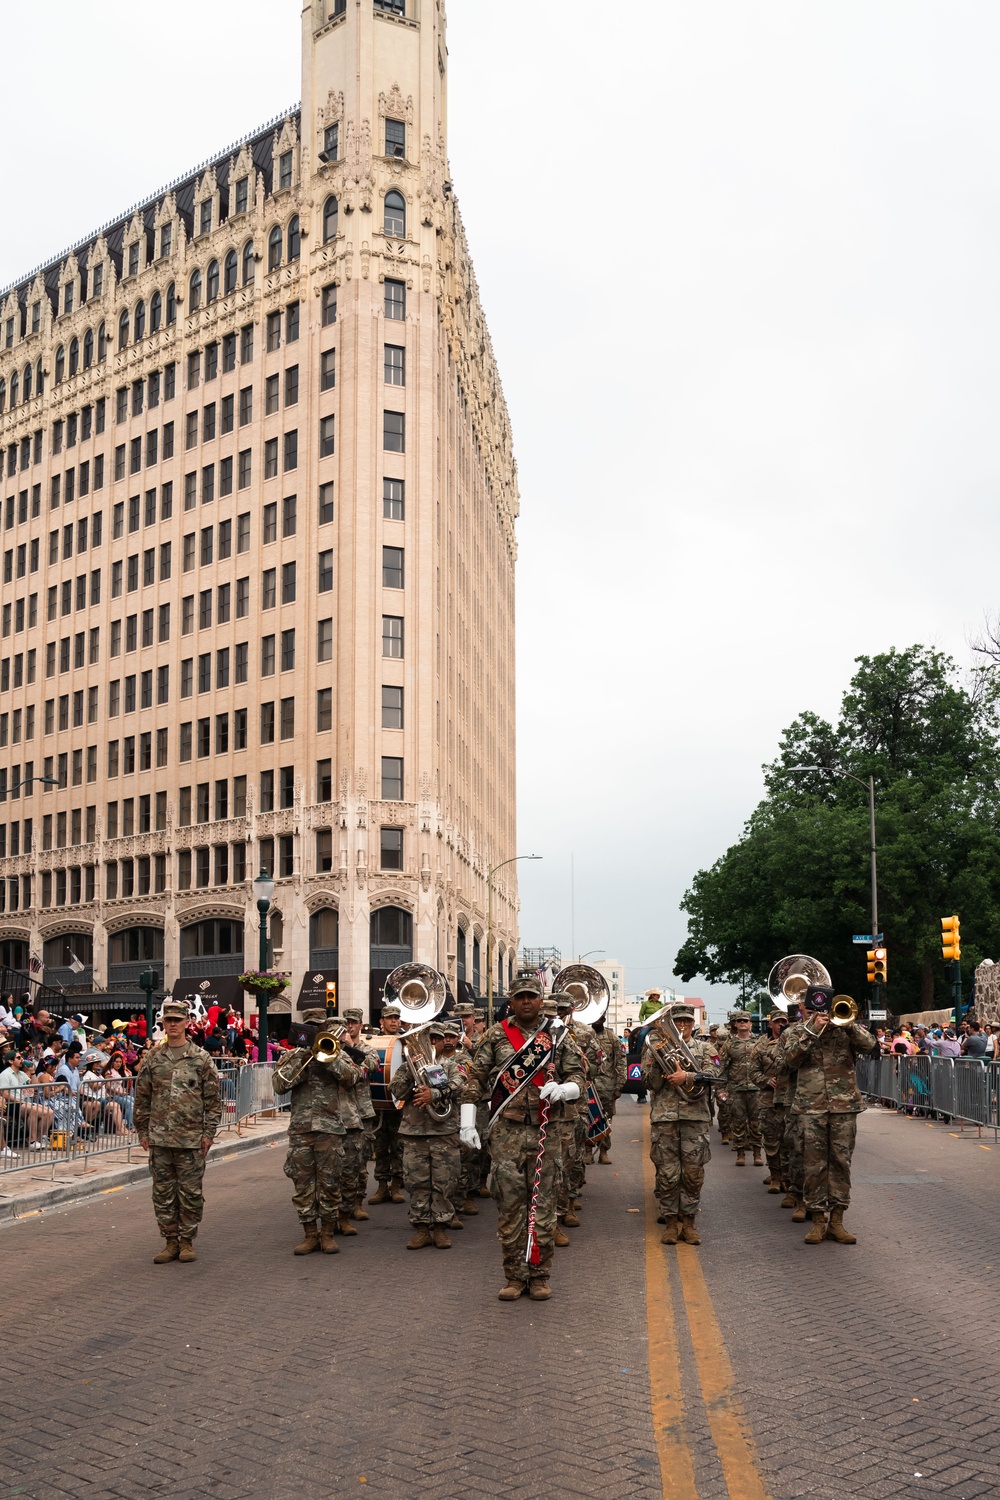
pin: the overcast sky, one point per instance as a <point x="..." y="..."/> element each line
<point x="740" y="265"/>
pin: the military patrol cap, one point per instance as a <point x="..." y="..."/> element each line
<point x="526" y="986"/>
<point x="175" y="1010"/>
<point x="391" y="1010"/>
<point x="465" y="1010"/>
<point x="682" y="1013"/>
<point x="562" y="1000"/>
<point x="739" y="1015"/>
<point x="777" y="1015"/>
<point x="549" y="1006"/>
<point x="480" y="1015"/>
<point x="352" y="1014"/>
<point x="437" y="1028"/>
<point x="451" y="1029"/>
<point x="314" y="1013"/>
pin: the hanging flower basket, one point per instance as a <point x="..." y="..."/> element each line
<point x="262" y="982"/>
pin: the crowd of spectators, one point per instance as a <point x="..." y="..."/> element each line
<point x="971" y="1039"/>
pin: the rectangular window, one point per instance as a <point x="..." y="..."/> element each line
<point x="226" y="476"/>
<point x="204" y="738"/>
<point x="245" y="469"/>
<point x="287" y="725"/>
<point x="222" y="734"/>
<point x="325" y="571"/>
<point x="291" y="457"/>
<point x="329" y="305"/>
<point x="241" y="662"/>
<point x="392" y="778"/>
<point x="393" y="432"/>
<point x="208" y="484"/>
<point x="207" y="545"/>
<point x="246" y="344"/>
<point x="222" y="610"/>
<point x="391" y="849"/>
<point x="288" y="583"/>
<point x="242" y="598"/>
<point x="267" y="795"/>
<point x="269" y="588"/>
<point x="328" y="370"/>
<point x="267" y="655"/>
<point x="395" y="300"/>
<point x="291" y="323"/>
<point x="228" y="414"/>
<point x="392" y="567"/>
<point x="239" y="796"/>
<point x="270" y="458"/>
<point x="242" y="195"/>
<point x="273" y="332"/>
<point x="228" y="357"/>
<point x="272" y="395"/>
<point x="190" y="490"/>
<point x="288" y="516"/>
<point x="324" y="640"/>
<point x="205" y="609"/>
<point x="288" y="650"/>
<point x="392" y="707"/>
<point x="222" y="667"/>
<point x="326" y="503"/>
<point x="395" y="130"/>
<point x="189" y="552"/>
<point x="324" y="780"/>
<point x="240" y="729"/>
<point x="393" y="507"/>
<point x="292" y="385"/>
<point x="324" y="709"/>
<point x="185" y="742"/>
<point x="331" y="135"/>
<point x="205" y="672"/>
<point x="163" y="623"/>
<point x="327" y="436"/>
<point x="324" y="850"/>
<point x="266" y="726"/>
<point x="395" y="364"/>
<point x="392" y="636"/>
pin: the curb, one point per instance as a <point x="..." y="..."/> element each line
<point x="26" y="1205"/>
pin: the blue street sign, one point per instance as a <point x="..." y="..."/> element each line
<point x="866" y="937"/>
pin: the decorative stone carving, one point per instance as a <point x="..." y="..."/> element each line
<point x="392" y="106"/>
<point x="359" y="176"/>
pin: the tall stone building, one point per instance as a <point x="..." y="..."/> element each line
<point x="258" y="500"/>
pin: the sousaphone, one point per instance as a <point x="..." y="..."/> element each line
<point x="589" y="989"/>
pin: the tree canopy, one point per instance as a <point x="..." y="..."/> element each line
<point x="798" y="880"/>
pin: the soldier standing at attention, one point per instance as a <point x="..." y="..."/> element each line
<point x="558" y="1077"/>
<point x="735" y="1080"/>
<point x="610" y="1080"/>
<point x="678" y="1125"/>
<point x="716" y="1036"/>
<point x="471" y="1172"/>
<point x="388" y="1151"/>
<point x="178" y="1107"/>
<point x="431" y="1160"/>
<point x="579" y="1151"/>
<point x="355" y="1181"/>
<point x="764" y="1070"/>
<point x="828" y="1102"/>
<point x="323" y="1105"/>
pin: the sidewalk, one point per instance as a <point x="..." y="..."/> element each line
<point x="35" y="1189"/>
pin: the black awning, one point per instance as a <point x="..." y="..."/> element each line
<point x="312" y="993"/>
<point x="217" y="989"/>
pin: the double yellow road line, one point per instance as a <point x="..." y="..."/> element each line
<point x="727" y="1421"/>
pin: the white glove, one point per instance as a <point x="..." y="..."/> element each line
<point x="559" y="1093"/>
<point x="468" y="1134"/>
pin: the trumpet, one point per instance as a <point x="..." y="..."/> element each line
<point x="324" y="1049"/>
<point x="842" y="1010"/>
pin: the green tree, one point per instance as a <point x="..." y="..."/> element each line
<point x="798" y="879"/>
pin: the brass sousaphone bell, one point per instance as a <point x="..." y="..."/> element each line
<point x="791" y="977"/>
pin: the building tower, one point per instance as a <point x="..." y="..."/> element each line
<point x="257" y="605"/>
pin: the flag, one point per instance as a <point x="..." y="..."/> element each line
<point x="75" y="965"/>
<point x="36" y="966"/>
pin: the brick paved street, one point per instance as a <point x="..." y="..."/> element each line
<point x="397" y="1374"/>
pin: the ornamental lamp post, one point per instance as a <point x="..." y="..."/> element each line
<point x="148" y="980"/>
<point x="263" y="890"/>
<point x="489" y="927"/>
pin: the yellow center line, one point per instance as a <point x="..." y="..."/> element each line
<point x="666" y="1395"/>
<point x="726" y="1418"/>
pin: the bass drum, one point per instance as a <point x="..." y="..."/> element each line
<point x="390" y="1055"/>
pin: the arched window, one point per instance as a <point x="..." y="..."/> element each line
<point x="460" y="952"/>
<point x="88" y="349"/>
<point x="230" y="274"/>
<point x="3" y="394"/>
<point x="324" y="931"/>
<point x="74" y="355"/>
<point x="14" y="388"/>
<point x="39" y="379"/>
<point x="211" y="947"/>
<point x="155" y="312"/>
<point x="274" y="249"/>
<point x="27" y="382"/>
<point x="212" y="282"/>
<point x="391" y="937"/>
<point x="195" y="291"/>
<point x="14" y="954"/>
<point x="329" y="220"/>
<point x="123" y="331"/>
<point x="60" y="371"/>
<point x="102" y="344"/>
<point x="248" y="263"/>
<point x="395" y="215"/>
<point x="171" y="304"/>
<point x="59" y="952"/>
<point x="294" y="239"/>
<point x="140" y="320"/>
<point x="136" y="945"/>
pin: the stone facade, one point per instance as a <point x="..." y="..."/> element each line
<point x="289" y="637"/>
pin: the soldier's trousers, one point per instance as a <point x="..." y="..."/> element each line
<point x="514" y="1150"/>
<point x="576" y="1165"/>
<point x="827" y="1148"/>
<point x="744" y="1129"/>
<point x="772" y="1129"/>
<point x="388" y="1150"/>
<point x="354" y="1183"/>
<point x="607" y="1103"/>
<point x="315" y="1164"/>
<point x="178" y="1202"/>
<point x="431" y="1167"/>
<point x="679" y="1150"/>
<point x="793" y="1151"/>
<point x="725" y="1109"/>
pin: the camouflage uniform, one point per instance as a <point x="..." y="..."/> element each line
<point x="388" y="1151"/>
<point x="678" y="1128"/>
<point x="764" y="1068"/>
<point x="324" y="1105"/>
<point x="610" y="1080"/>
<point x="475" y="1164"/>
<point x="431" y="1159"/>
<point x="723" y="1107"/>
<point x="178" y="1104"/>
<point x="576" y="1142"/>
<point x="514" y="1147"/>
<point x="744" y="1099"/>
<point x="354" y="1183"/>
<point x="827" y="1103"/>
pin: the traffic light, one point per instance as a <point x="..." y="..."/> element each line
<point x="871" y="966"/>
<point x="881" y="966"/>
<point x="331" y="997"/>
<point x="951" y="939"/>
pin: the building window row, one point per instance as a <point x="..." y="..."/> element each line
<point x="30" y="449"/>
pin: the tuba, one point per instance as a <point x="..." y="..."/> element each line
<point x="420" y="992"/>
<point x="589" y="989"/>
<point x="792" y="976"/>
<point x="671" y="1052"/>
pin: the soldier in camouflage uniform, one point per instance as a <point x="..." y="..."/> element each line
<point x="764" y="1070"/>
<point x="717" y="1035"/>
<point x="678" y="1127"/>
<point x="828" y="1102"/>
<point x="577" y="1148"/>
<point x="178" y="1107"/>
<point x="324" y="1106"/>
<point x="744" y="1097"/>
<point x="514" y="1138"/>
<point x="610" y="1080"/>
<point x="431" y="1159"/>
<point x="354" y="1183"/>
<point x="388" y="1151"/>
<point x="785" y="1081"/>
<point x="471" y="1173"/>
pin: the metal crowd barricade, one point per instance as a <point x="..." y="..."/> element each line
<point x="964" y="1089"/>
<point x="37" y="1126"/>
<point x="254" y="1095"/>
<point x="104" y="1117"/>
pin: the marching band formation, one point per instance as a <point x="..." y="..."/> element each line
<point x="455" y="1110"/>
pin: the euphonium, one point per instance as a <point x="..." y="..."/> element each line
<point x="673" y="1053"/>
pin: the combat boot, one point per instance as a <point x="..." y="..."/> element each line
<point x="186" y="1250"/>
<point x="309" y="1241"/>
<point x="170" y="1251"/>
<point x="835" y="1229"/>
<point x="484" y="1191"/>
<point x="688" y="1234"/>
<point x="788" y="1201"/>
<point x="758" y="1160"/>
<point x="359" y="1211"/>
<point x="328" y="1241"/>
<point x="661" y="1218"/>
<point x="511" y="1291"/>
<point x="468" y="1207"/>
<point x="455" y="1222"/>
<point x="440" y="1236"/>
<point x="817" y="1233"/>
<point x="396" y="1194"/>
<point x="560" y="1237"/>
<point x="741" y="1157"/>
<point x="725" y="1139"/>
<point x="588" y="1156"/>
<point x="382" y="1196"/>
<point x="603" y="1159"/>
<point x="345" y="1225"/>
<point x="421" y="1236"/>
<point x="539" y="1291"/>
<point x="570" y="1219"/>
<point x="800" y="1213"/>
<point x="670" y="1234"/>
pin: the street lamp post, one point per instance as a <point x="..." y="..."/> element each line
<point x="489" y="928"/>
<point x="263" y="889"/>
<point x="589" y="952"/>
<point x="869" y="786"/>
